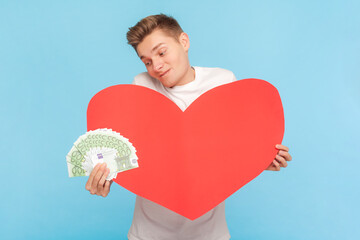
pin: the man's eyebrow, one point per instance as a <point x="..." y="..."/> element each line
<point x="154" y="49"/>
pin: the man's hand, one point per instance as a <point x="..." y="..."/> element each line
<point x="281" y="158"/>
<point x="97" y="183"/>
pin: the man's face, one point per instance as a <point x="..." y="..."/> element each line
<point x="166" y="59"/>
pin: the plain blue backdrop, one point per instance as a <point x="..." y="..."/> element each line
<point x="55" y="55"/>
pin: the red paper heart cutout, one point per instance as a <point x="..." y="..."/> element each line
<point x="191" y="161"/>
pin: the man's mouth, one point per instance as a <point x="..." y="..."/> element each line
<point x="161" y="75"/>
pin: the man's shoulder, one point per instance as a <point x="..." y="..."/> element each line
<point x="216" y="73"/>
<point x="145" y="80"/>
<point x="214" y="69"/>
<point x="141" y="77"/>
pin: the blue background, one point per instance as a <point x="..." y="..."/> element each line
<point x="55" y="55"/>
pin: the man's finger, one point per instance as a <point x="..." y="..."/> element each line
<point x="97" y="177"/>
<point x="282" y="147"/>
<point x="281" y="160"/>
<point x="91" y="177"/>
<point x="106" y="188"/>
<point x="285" y="155"/>
<point x="277" y="165"/>
<point x="100" y="186"/>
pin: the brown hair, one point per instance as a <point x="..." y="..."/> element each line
<point x="145" y="26"/>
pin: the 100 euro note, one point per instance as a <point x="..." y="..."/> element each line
<point x="101" y="145"/>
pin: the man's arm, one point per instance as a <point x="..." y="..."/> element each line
<point x="281" y="158"/>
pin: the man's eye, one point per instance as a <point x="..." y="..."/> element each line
<point x="147" y="63"/>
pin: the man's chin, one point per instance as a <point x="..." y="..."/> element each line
<point x="167" y="84"/>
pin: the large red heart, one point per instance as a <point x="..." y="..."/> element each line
<point x="191" y="161"/>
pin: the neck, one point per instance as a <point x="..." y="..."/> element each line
<point x="188" y="77"/>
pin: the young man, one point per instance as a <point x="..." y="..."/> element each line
<point x="163" y="47"/>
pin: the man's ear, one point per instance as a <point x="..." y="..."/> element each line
<point x="184" y="41"/>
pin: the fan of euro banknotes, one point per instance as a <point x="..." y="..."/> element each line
<point x="99" y="146"/>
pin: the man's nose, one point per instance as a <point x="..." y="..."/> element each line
<point x="158" y="65"/>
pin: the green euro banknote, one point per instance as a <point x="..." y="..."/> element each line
<point x="101" y="145"/>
